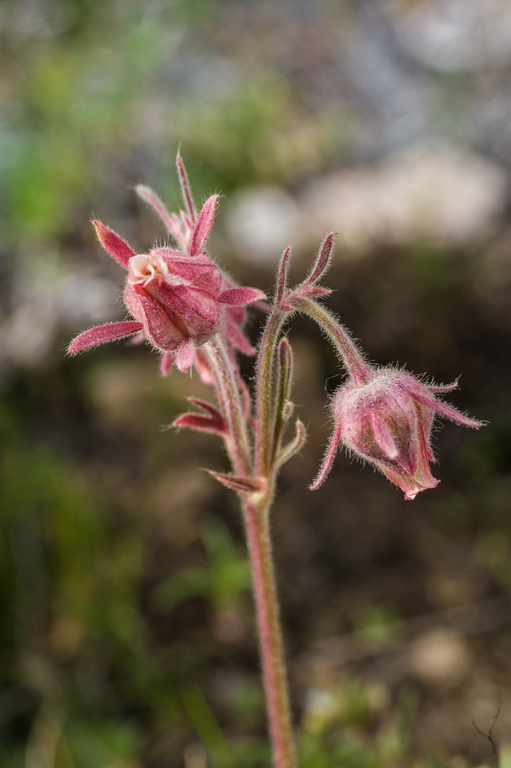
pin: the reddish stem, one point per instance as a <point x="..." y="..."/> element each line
<point x="272" y="655"/>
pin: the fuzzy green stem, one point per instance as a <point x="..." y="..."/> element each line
<point x="272" y="654"/>
<point x="229" y="396"/>
<point x="358" y="368"/>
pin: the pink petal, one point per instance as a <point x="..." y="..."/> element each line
<point x="166" y="361"/>
<point x="160" y="328"/>
<point x="197" y="310"/>
<point x="424" y="454"/>
<point x="421" y="478"/>
<point x="114" y="244"/>
<point x="185" y="356"/>
<point x="200" y="271"/>
<point x="103" y="333"/>
<point x="409" y="485"/>
<point x="239" y="296"/>
<point x="139" y="338"/>
<point x="384" y="437"/>
<point x="201" y="231"/>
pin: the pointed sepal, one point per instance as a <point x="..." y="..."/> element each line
<point x="186" y="190"/>
<point x="282" y="278"/>
<point x="213" y="422"/>
<point x="238" y="297"/>
<point x="241" y="484"/>
<point x="443" y="387"/>
<point x="113" y="244"/>
<point x="235" y="335"/>
<point x="328" y="459"/>
<point x="213" y="413"/>
<point x="444" y="410"/>
<point x="203" y="226"/>
<point x="294" y="445"/>
<point x="102" y="333"/>
<point x="198" y="422"/>
<point x="322" y="261"/>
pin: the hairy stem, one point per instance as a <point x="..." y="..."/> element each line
<point x="272" y="655"/>
<point x="228" y="394"/>
<point x="360" y="371"/>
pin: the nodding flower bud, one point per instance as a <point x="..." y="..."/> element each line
<point x="388" y="421"/>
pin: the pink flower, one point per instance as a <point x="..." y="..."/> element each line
<point x="181" y="227"/>
<point x="178" y="301"/>
<point x="388" y="421"/>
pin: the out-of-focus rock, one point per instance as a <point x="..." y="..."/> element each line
<point x="262" y="221"/>
<point x="440" y="658"/>
<point x="86" y="297"/>
<point x="46" y="305"/>
<point x="27" y="334"/>
<point x="447" y="195"/>
<point x="453" y="35"/>
<point x="195" y="756"/>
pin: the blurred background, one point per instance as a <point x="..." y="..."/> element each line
<point x="126" y="621"/>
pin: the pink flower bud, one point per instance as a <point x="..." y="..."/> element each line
<point x="388" y="421"/>
<point x="174" y="297"/>
<point x="190" y="231"/>
<point x="178" y="301"/>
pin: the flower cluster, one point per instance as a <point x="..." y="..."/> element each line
<point x="181" y="300"/>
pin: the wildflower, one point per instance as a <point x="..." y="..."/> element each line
<point x="387" y="420"/>
<point x="178" y="301"/>
<point x="181" y="227"/>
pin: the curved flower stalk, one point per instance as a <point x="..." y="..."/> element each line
<point x="193" y="313"/>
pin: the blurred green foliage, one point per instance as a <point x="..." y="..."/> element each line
<point x="220" y="581"/>
<point x="79" y="102"/>
<point x="73" y="98"/>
